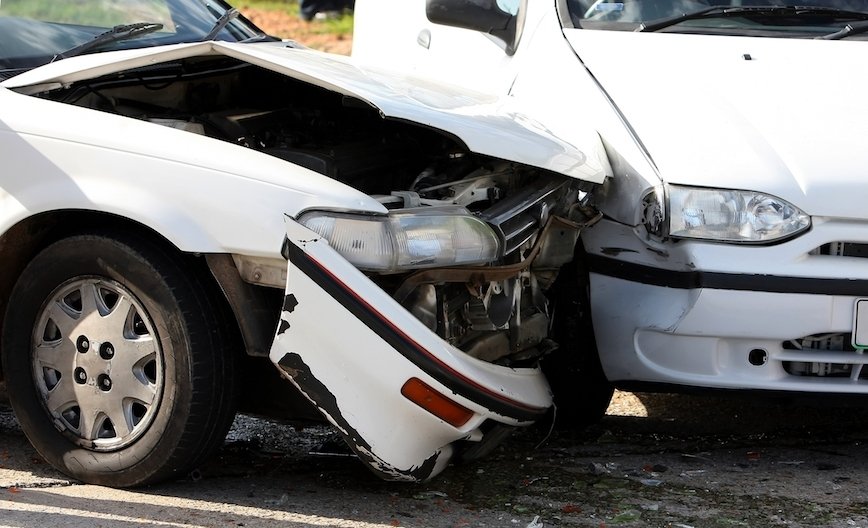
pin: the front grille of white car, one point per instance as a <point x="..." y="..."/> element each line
<point x="843" y="249"/>
<point x="824" y="355"/>
<point x="829" y="355"/>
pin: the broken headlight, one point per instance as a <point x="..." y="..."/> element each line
<point x="407" y="239"/>
<point x="726" y="215"/>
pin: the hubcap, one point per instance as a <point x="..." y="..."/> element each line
<point x="97" y="363"/>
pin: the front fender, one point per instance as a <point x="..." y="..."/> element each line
<point x="202" y="194"/>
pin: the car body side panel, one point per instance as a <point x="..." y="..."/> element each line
<point x="353" y="363"/>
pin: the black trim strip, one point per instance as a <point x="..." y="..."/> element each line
<point x="723" y="281"/>
<point x="406" y="346"/>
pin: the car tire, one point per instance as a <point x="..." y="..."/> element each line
<point x="579" y="386"/>
<point x="116" y="360"/>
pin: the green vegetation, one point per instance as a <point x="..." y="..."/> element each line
<point x="342" y="25"/>
<point x="287" y="6"/>
<point x="99" y="13"/>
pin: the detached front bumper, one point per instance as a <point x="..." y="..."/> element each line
<point x="777" y="318"/>
<point x="354" y="351"/>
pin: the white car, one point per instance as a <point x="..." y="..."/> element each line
<point x="193" y="215"/>
<point x="731" y="253"/>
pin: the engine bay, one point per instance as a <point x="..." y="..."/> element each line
<point x="499" y="313"/>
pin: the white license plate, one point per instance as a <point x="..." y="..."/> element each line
<point x="860" y="324"/>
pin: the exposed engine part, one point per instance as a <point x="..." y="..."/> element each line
<point x="497" y="313"/>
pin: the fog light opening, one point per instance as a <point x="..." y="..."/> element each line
<point x="435" y="403"/>
<point x="758" y="357"/>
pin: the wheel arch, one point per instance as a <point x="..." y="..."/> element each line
<point x="20" y="243"/>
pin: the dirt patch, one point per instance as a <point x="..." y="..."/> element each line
<point x="312" y="34"/>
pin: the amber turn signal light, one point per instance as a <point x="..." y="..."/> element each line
<point x="435" y="403"/>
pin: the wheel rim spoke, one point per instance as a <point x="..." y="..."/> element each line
<point x="58" y="356"/>
<point x="120" y="419"/>
<point x="89" y="300"/>
<point x="132" y="354"/>
<point x="135" y="388"/>
<point x="87" y="424"/>
<point x="61" y="396"/>
<point x="118" y="315"/>
<point x="64" y="318"/>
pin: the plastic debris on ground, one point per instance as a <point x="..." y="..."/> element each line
<point x="536" y="523"/>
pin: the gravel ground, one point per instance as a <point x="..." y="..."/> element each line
<point x="654" y="461"/>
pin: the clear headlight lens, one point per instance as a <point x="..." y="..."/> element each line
<point x="404" y="240"/>
<point x="732" y="216"/>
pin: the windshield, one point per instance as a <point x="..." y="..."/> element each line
<point x="785" y="18"/>
<point x="35" y="32"/>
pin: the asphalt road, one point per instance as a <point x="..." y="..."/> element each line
<point x="667" y="461"/>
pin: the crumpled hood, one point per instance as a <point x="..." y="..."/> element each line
<point x="782" y="116"/>
<point x="488" y="124"/>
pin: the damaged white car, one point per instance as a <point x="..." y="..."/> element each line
<point x="193" y="215"/>
<point x="731" y="253"/>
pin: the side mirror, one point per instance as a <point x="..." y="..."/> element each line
<point x="480" y="15"/>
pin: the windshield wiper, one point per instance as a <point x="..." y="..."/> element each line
<point x="737" y="11"/>
<point x="849" y="29"/>
<point x="262" y="37"/>
<point x="677" y="19"/>
<point x="115" y="34"/>
<point x="221" y="23"/>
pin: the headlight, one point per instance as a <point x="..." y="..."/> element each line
<point x="732" y="216"/>
<point x="404" y="240"/>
